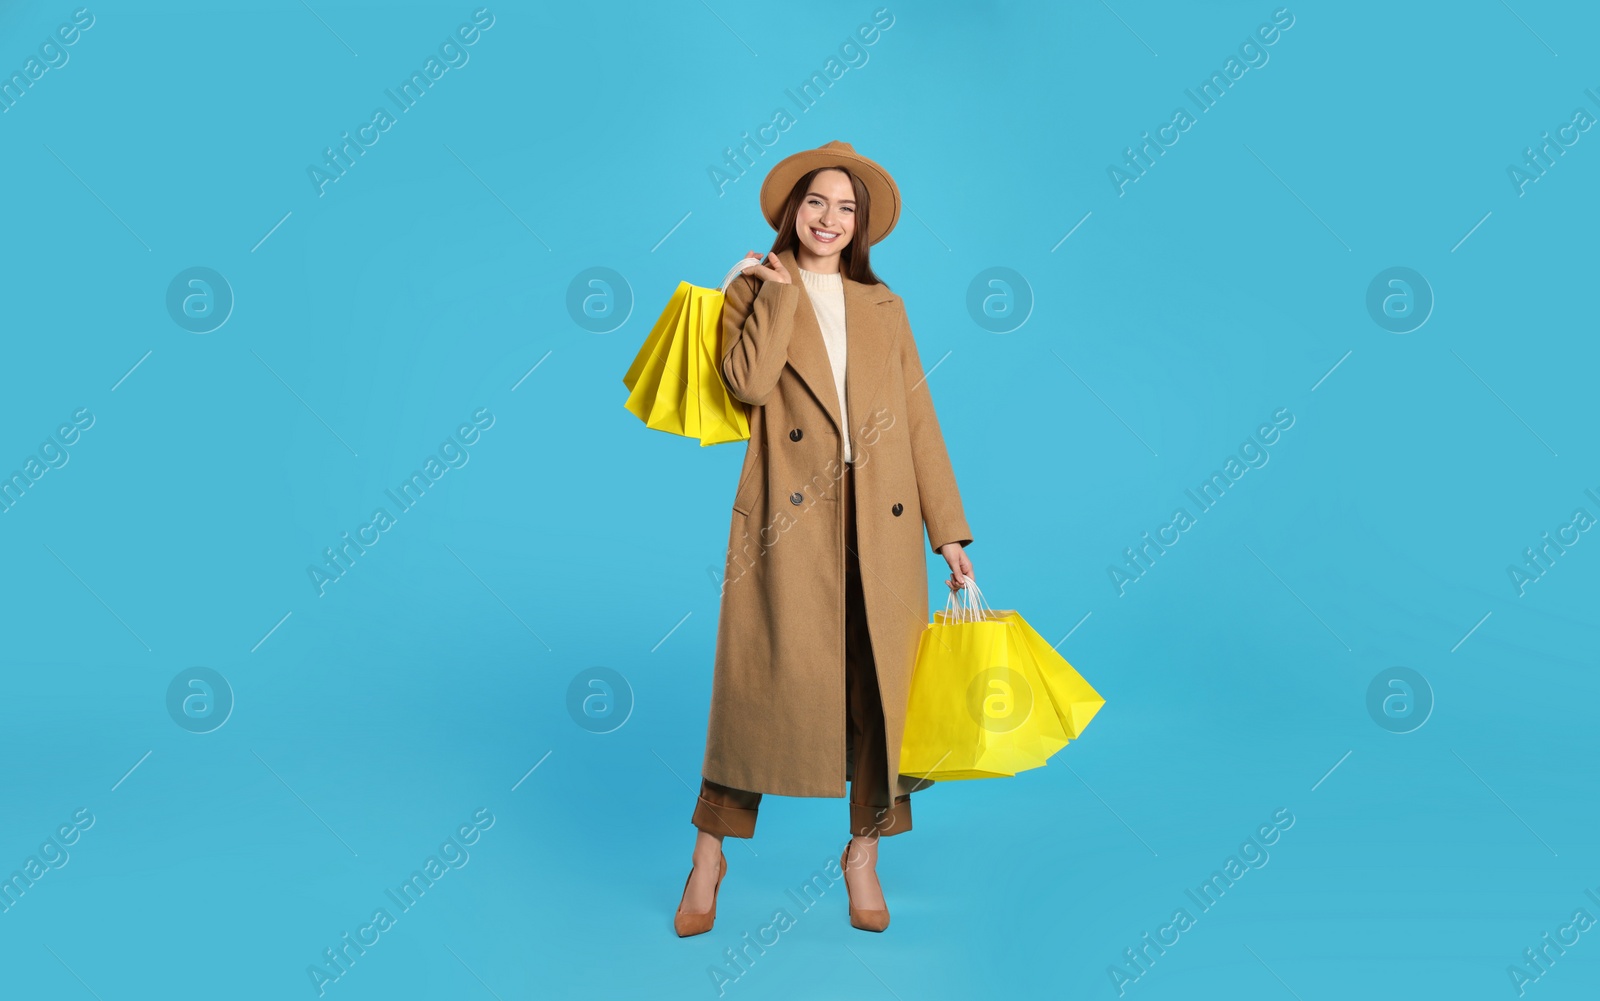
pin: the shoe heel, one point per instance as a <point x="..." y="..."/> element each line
<point x="687" y="923"/>
<point x="866" y="920"/>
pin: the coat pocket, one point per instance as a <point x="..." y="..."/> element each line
<point x="744" y="495"/>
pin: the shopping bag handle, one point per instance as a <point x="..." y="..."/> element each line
<point x="973" y="607"/>
<point x="738" y="269"/>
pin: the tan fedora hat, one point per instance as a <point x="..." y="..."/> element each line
<point x="885" y="194"/>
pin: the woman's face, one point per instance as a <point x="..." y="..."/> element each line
<point x="827" y="217"/>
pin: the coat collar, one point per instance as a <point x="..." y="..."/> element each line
<point x="869" y="337"/>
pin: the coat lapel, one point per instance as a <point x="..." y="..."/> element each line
<point x="868" y="341"/>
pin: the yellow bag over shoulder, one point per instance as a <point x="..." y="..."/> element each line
<point x="675" y="382"/>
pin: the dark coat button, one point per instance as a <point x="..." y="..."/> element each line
<point x="796" y="497"/>
<point x="795" y="434"/>
<point x="897" y="509"/>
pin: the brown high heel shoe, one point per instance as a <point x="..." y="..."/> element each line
<point x="687" y="923"/>
<point x="866" y="920"/>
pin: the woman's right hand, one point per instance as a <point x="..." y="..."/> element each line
<point x="773" y="271"/>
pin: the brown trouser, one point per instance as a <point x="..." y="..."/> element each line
<point x="732" y="812"/>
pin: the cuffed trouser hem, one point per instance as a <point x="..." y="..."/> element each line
<point x="880" y="821"/>
<point x="718" y="811"/>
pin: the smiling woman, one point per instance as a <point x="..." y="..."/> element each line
<point x="816" y="639"/>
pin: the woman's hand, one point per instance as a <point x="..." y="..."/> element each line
<point x="955" y="554"/>
<point x="774" y="272"/>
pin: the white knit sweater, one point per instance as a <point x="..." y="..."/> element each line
<point x="827" y="300"/>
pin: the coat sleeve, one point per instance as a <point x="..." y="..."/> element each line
<point x="936" y="481"/>
<point x="756" y="327"/>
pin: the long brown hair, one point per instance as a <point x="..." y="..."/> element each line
<point x="855" y="259"/>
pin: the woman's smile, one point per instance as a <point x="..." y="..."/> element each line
<point x="825" y="221"/>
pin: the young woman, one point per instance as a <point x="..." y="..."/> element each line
<point x="845" y="466"/>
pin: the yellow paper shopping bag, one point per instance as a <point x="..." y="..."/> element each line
<point x="974" y="709"/>
<point x="675" y="381"/>
<point x="988" y="698"/>
<point x="943" y="738"/>
<point x="1075" y="700"/>
<point x="1044" y="732"/>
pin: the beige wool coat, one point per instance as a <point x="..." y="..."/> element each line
<point x="778" y="716"/>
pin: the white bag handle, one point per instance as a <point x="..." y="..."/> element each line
<point x="972" y="608"/>
<point x="738" y="269"/>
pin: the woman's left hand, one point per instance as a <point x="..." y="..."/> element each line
<point x="955" y="554"/>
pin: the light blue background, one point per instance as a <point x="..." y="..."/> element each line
<point x="1228" y="282"/>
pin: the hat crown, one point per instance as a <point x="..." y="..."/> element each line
<point x="835" y="153"/>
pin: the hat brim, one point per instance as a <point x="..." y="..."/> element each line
<point x="885" y="194"/>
